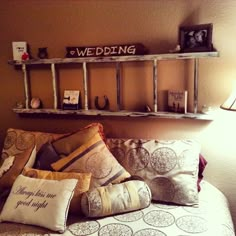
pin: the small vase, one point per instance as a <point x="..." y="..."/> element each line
<point x="42" y="53"/>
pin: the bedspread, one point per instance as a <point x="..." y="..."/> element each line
<point x="211" y="218"/>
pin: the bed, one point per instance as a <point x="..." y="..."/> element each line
<point x="212" y="217"/>
<point x="180" y="209"/>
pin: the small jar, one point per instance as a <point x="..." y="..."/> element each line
<point x="42" y="53"/>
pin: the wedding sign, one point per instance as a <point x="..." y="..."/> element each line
<point x="109" y="50"/>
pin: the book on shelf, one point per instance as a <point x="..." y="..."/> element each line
<point x="71" y="100"/>
<point x="177" y="101"/>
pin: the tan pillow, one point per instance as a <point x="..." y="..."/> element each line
<point x="20" y="161"/>
<point x="169" y="167"/>
<point x="17" y="141"/>
<point x="118" y="198"/>
<point x="93" y="157"/>
<point x="64" y="146"/>
<point x="81" y="187"/>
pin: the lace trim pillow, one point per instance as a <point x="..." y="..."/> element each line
<point x="6" y="165"/>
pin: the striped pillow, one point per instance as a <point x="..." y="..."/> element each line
<point x="93" y="157"/>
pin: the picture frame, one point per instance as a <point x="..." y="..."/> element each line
<point x="196" y="38"/>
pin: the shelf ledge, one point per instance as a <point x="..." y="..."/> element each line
<point x="122" y="113"/>
<point x="148" y="57"/>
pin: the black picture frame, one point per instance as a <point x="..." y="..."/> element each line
<point x="196" y="38"/>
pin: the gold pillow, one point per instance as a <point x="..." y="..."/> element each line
<point x="64" y="146"/>
<point x="93" y="157"/>
<point x="17" y="141"/>
<point x="81" y="187"/>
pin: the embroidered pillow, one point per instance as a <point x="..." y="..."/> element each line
<point x="81" y="187"/>
<point x="93" y="157"/>
<point x="68" y="144"/>
<point x="39" y="202"/>
<point x="17" y="141"/>
<point x="118" y="198"/>
<point x="170" y="168"/>
<point x="20" y="161"/>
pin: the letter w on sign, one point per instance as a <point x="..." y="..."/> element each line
<point x="114" y="50"/>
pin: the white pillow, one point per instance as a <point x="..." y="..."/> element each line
<point x="169" y="167"/>
<point x="32" y="158"/>
<point x="39" y="202"/>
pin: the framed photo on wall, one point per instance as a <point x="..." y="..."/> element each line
<point x="196" y="38"/>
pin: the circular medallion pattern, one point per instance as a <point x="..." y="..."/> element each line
<point x="192" y="224"/>
<point x="84" y="228"/>
<point x="149" y="232"/>
<point x="163" y="160"/>
<point x="118" y="153"/>
<point x="129" y="217"/>
<point x="10" y="139"/>
<point x="158" y="218"/>
<point x="25" y="140"/>
<point x="162" y="189"/>
<point x="99" y="165"/>
<point x="115" y="229"/>
<point x="186" y="159"/>
<point x="137" y="158"/>
<point x="95" y="201"/>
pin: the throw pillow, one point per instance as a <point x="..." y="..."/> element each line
<point x="45" y="157"/>
<point x="64" y="146"/>
<point x="39" y="202"/>
<point x="118" y="198"/>
<point x="20" y="161"/>
<point x="169" y="167"/>
<point x="93" y="157"/>
<point x="17" y="141"/>
<point x="81" y="187"/>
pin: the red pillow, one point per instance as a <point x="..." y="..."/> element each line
<point x="201" y="167"/>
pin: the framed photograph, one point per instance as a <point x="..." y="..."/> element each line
<point x="196" y="38"/>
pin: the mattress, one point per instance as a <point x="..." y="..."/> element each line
<point x="211" y="218"/>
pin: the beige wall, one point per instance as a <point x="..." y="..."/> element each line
<point x="59" y="23"/>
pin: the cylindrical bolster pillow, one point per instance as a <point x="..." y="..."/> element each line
<point x="118" y="198"/>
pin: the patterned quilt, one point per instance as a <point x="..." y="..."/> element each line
<point x="211" y="218"/>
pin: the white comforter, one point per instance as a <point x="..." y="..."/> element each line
<point x="211" y="218"/>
